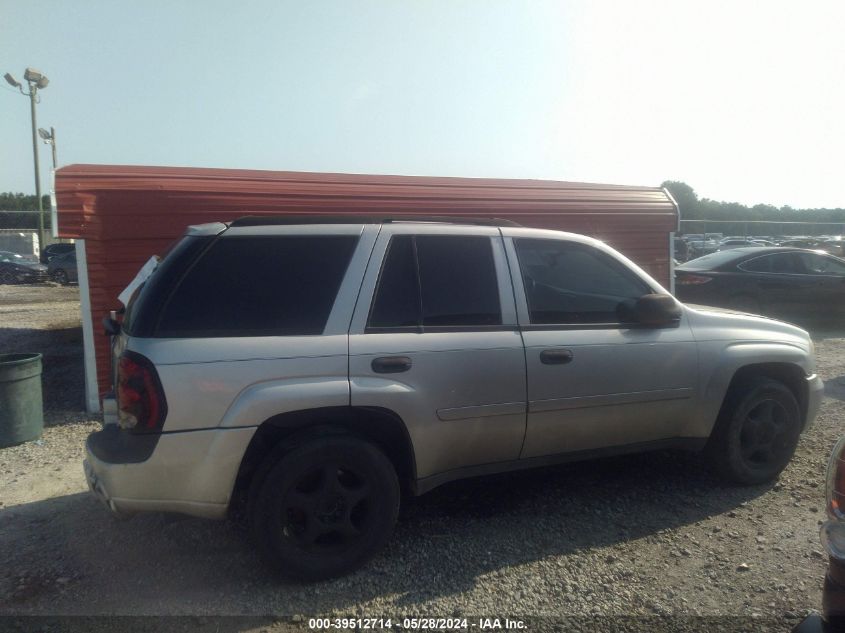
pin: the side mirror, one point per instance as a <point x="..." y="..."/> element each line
<point x="657" y="310"/>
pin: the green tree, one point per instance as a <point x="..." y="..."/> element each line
<point x="21" y="202"/>
<point x="685" y="196"/>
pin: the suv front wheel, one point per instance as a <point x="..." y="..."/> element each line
<point x="325" y="507"/>
<point x="756" y="433"/>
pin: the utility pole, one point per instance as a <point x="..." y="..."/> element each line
<point x="35" y="81"/>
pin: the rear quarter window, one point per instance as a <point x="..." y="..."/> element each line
<point x="259" y="286"/>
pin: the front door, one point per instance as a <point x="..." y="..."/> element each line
<point x="595" y="379"/>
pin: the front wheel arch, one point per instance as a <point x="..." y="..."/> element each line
<point x="735" y="449"/>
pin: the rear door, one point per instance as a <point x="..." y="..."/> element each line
<point x="595" y="379"/>
<point x="434" y="339"/>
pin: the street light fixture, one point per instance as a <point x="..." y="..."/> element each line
<point x="35" y="81"/>
<point x="11" y="80"/>
<point x="49" y="138"/>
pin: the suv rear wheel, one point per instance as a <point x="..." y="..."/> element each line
<point x="325" y="507"/>
<point x="756" y="433"/>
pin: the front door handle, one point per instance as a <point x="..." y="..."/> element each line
<point x="391" y="364"/>
<point x="556" y="356"/>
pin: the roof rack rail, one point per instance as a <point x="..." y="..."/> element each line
<point x="351" y="218"/>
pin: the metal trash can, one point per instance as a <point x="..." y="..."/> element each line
<point x="21" y="405"/>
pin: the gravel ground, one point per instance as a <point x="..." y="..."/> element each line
<point x="650" y="535"/>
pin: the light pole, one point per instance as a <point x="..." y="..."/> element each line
<point x="36" y="81"/>
<point x="49" y="138"/>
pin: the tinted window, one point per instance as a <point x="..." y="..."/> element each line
<point x="397" y="302"/>
<point x="437" y="280"/>
<point x="782" y="263"/>
<point x="821" y="265"/>
<point x="259" y="286"/>
<point x="144" y="307"/>
<point x="566" y="282"/>
<point x="711" y="261"/>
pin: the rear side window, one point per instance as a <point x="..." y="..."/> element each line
<point x="431" y="281"/>
<point x="143" y="309"/>
<point x="259" y="286"/>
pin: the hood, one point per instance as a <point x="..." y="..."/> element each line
<point x="27" y="265"/>
<point x="716" y="324"/>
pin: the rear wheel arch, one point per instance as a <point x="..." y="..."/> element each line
<point x="277" y="435"/>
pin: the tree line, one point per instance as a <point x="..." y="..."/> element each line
<point x="13" y="204"/>
<point x="729" y="217"/>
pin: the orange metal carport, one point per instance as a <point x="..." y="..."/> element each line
<point x="121" y="215"/>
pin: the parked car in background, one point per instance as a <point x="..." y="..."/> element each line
<point x="833" y="246"/>
<point x="725" y="245"/>
<point x="62" y="268"/>
<point x="776" y="281"/>
<point x="53" y="250"/>
<point x="681" y="249"/>
<point x="17" y="269"/>
<point x="797" y="242"/>
<point x="697" y="248"/>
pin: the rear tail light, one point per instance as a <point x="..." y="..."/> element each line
<point x="692" y="280"/>
<point x="836" y="482"/>
<point x="833" y="531"/>
<point x="140" y="398"/>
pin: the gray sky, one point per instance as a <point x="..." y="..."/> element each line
<point x="742" y="100"/>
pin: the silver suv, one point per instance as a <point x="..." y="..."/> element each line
<point x="307" y="371"/>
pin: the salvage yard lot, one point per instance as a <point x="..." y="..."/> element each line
<point x="640" y="535"/>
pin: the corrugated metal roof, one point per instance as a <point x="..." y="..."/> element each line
<point x="128" y="213"/>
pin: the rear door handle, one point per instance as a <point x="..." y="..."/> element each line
<point x="556" y="356"/>
<point x="391" y="364"/>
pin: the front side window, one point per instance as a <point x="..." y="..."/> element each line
<point x="571" y="283"/>
<point x="821" y="264"/>
<point x="430" y="281"/>
<point x="779" y="263"/>
<point x="259" y="286"/>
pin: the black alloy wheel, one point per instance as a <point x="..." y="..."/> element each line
<point x="756" y="433"/>
<point x="325" y="507"/>
<point x="764" y="438"/>
<point x="60" y="277"/>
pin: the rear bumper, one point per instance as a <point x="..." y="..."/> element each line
<point x="189" y="472"/>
